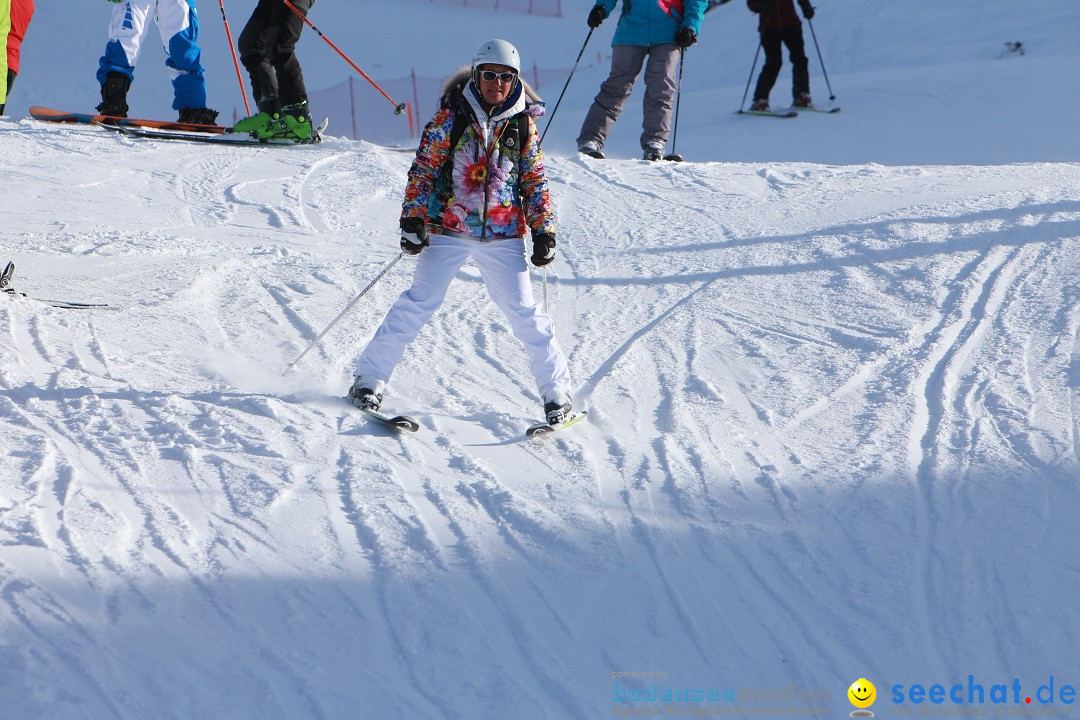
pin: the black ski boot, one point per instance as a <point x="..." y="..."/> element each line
<point x="114" y="95"/>
<point x="198" y="116"/>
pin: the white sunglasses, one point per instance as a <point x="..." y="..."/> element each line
<point x="492" y="76"/>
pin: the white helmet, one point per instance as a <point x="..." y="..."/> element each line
<point x="497" y="52"/>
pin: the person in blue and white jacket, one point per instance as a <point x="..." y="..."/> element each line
<point x="178" y="25"/>
<point x="658" y="30"/>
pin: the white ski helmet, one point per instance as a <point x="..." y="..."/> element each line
<point x="497" y="52"/>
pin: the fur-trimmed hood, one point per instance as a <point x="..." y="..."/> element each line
<point x="464" y="73"/>
<point x="459" y="87"/>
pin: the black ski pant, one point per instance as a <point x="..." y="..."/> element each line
<point x="268" y="51"/>
<point x="771" y="40"/>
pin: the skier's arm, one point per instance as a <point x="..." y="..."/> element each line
<point x="535" y="199"/>
<point x="693" y="13"/>
<point x="433" y="152"/>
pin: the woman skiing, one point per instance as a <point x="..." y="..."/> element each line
<point x="476" y="186"/>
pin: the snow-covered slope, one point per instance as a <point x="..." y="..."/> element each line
<point x="833" y="388"/>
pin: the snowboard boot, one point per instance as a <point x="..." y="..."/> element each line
<point x="760" y="105"/>
<point x="556" y="411"/>
<point x="114" y="95"/>
<point x="653" y="151"/>
<point x="802" y="100"/>
<point x="364" y="397"/>
<point x="198" y="116"/>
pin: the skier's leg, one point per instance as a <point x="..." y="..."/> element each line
<point x="436" y="267"/>
<point x="127" y="29"/>
<point x="253" y="43"/>
<point x="770" y="43"/>
<point x="626" y="63"/>
<point x="178" y="23"/>
<point x="659" y="93"/>
<point x="506" y="275"/>
<point x="800" y="66"/>
<point x="282" y="51"/>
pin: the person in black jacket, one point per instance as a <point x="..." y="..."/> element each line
<point x="778" y="24"/>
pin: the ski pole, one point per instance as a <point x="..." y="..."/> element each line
<point x="572" y="71"/>
<point x="678" y="97"/>
<point x="818" y="47"/>
<point x="751" y="78"/>
<point x="239" y="78"/>
<point x="342" y="313"/>
<point x="398" y="107"/>
<point x="543" y="274"/>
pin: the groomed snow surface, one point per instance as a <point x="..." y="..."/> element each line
<point x="832" y="372"/>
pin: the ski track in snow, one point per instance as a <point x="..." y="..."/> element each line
<point x="801" y="367"/>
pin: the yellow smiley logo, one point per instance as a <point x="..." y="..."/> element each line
<point x="862" y="693"/>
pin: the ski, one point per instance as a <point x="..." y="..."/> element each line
<point x="770" y="113"/>
<point x="397" y="422"/>
<point x="227" y="139"/>
<point x="811" y="108"/>
<point x="546" y="428"/>
<point x="60" y="116"/>
<point x="62" y="304"/>
<point x="5" y="282"/>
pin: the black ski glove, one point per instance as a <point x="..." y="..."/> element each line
<point x="543" y="250"/>
<point x="414" y="235"/>
<point x="685" y="38"/>
<point x="597" y="15"/>
<point x="808" y="11"/>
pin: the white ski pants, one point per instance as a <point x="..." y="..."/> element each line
<point x="506" y="277"/>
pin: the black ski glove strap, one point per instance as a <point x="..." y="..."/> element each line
<point x="414" y="235"/>
<point x="597" y="15"/>
<point x="543" y="250"/>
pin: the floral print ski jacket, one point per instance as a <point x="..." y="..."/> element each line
<point x="494" y="191"/>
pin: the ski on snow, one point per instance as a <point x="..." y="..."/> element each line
<point x="598" y="155"/>
<point x="136" y="131"/>
<point x="5" y="282"/>
<point x="60" y="116"/>
<point x="791" y="111"/>
<point x="770" y="113"/>
<point x="397" y="422"/>
<point x="547" y="428"/>
<point x="404" y="422"/>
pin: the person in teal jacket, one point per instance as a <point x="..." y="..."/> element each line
<point x="655" y="29"/>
